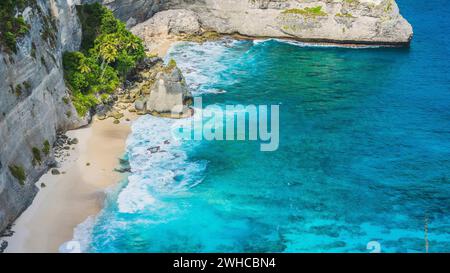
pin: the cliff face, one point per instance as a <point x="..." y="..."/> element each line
<point x="338" y="21"/>
<point x="132" y="11"/>
<point x="33" y="104"/>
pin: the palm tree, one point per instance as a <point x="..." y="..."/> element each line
<point x="132" y="43"/>
<point x="108" y="51"/>
<point x="84" y="67"/>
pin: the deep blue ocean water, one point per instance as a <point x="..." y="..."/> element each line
<point x="364" y="152"/>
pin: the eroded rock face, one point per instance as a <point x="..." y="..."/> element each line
<point x="159" y="31"/>
<point x="169" y="95"/>
<point x="338" y="21"/>
<point x="175" y="21"/>
<point x="34" y="101"/>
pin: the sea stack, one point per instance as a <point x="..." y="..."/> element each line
<point x="169" y="96"/>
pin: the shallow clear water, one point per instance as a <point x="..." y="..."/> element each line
<point x="364" y="152"/>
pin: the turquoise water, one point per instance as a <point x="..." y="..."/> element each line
<point x="364" y="153"/>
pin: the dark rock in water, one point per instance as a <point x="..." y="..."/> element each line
<point x="154" y="149"/>
<point x="88" y="164"/>
<point x="43" y="185"/>
<point x="123" y="161"/>
<point x="124" y="166"/>
<point x="55" y="172"/>
<point x="66" y="148"/>
<point x="123" y="170"/>
<point x="74" y="141"/>
<point x="166" y="142"/>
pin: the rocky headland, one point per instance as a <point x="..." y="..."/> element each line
<point x="355" y="22"/>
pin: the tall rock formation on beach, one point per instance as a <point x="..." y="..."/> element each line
<point x="169" y="95"/>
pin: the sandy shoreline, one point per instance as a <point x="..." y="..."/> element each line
<point x="68" y="199"/>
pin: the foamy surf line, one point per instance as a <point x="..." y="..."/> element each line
<point x="159" y="164"/>
<point x="82" y="233"/>
<point x="312" y="44"/>
<point x="159" y="168"/>
<point x="192" y="58"/>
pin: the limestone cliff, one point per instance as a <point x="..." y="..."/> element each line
<point x="337" y="21"/>
<point x="34" y="101"/>
<point x="132" y="11"/>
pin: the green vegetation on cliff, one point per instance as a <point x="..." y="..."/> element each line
<point x="46" y="148"/>
<point x="12" y="27"/>
<point x="108" y="53"/>
<point x="19" y="173"/>
<point x="37" y="159"/>
<point x="314" y="11"/>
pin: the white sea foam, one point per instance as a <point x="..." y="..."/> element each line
<point x="304" y="44"/>
<point x="193" y="61"/>
<point x="82" y="235"/>
<point x="193" y="58"/>
<point x="159" y="165"/>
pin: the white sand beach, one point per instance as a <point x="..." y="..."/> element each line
<point x="69" y="198"/>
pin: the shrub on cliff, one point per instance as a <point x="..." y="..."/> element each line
<point x="36" y="155"/>
<point x="19" y="173"/>
<point x="12" y="26"/>
<point x="109" y="52"/>
<point x="46" y="148"/>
